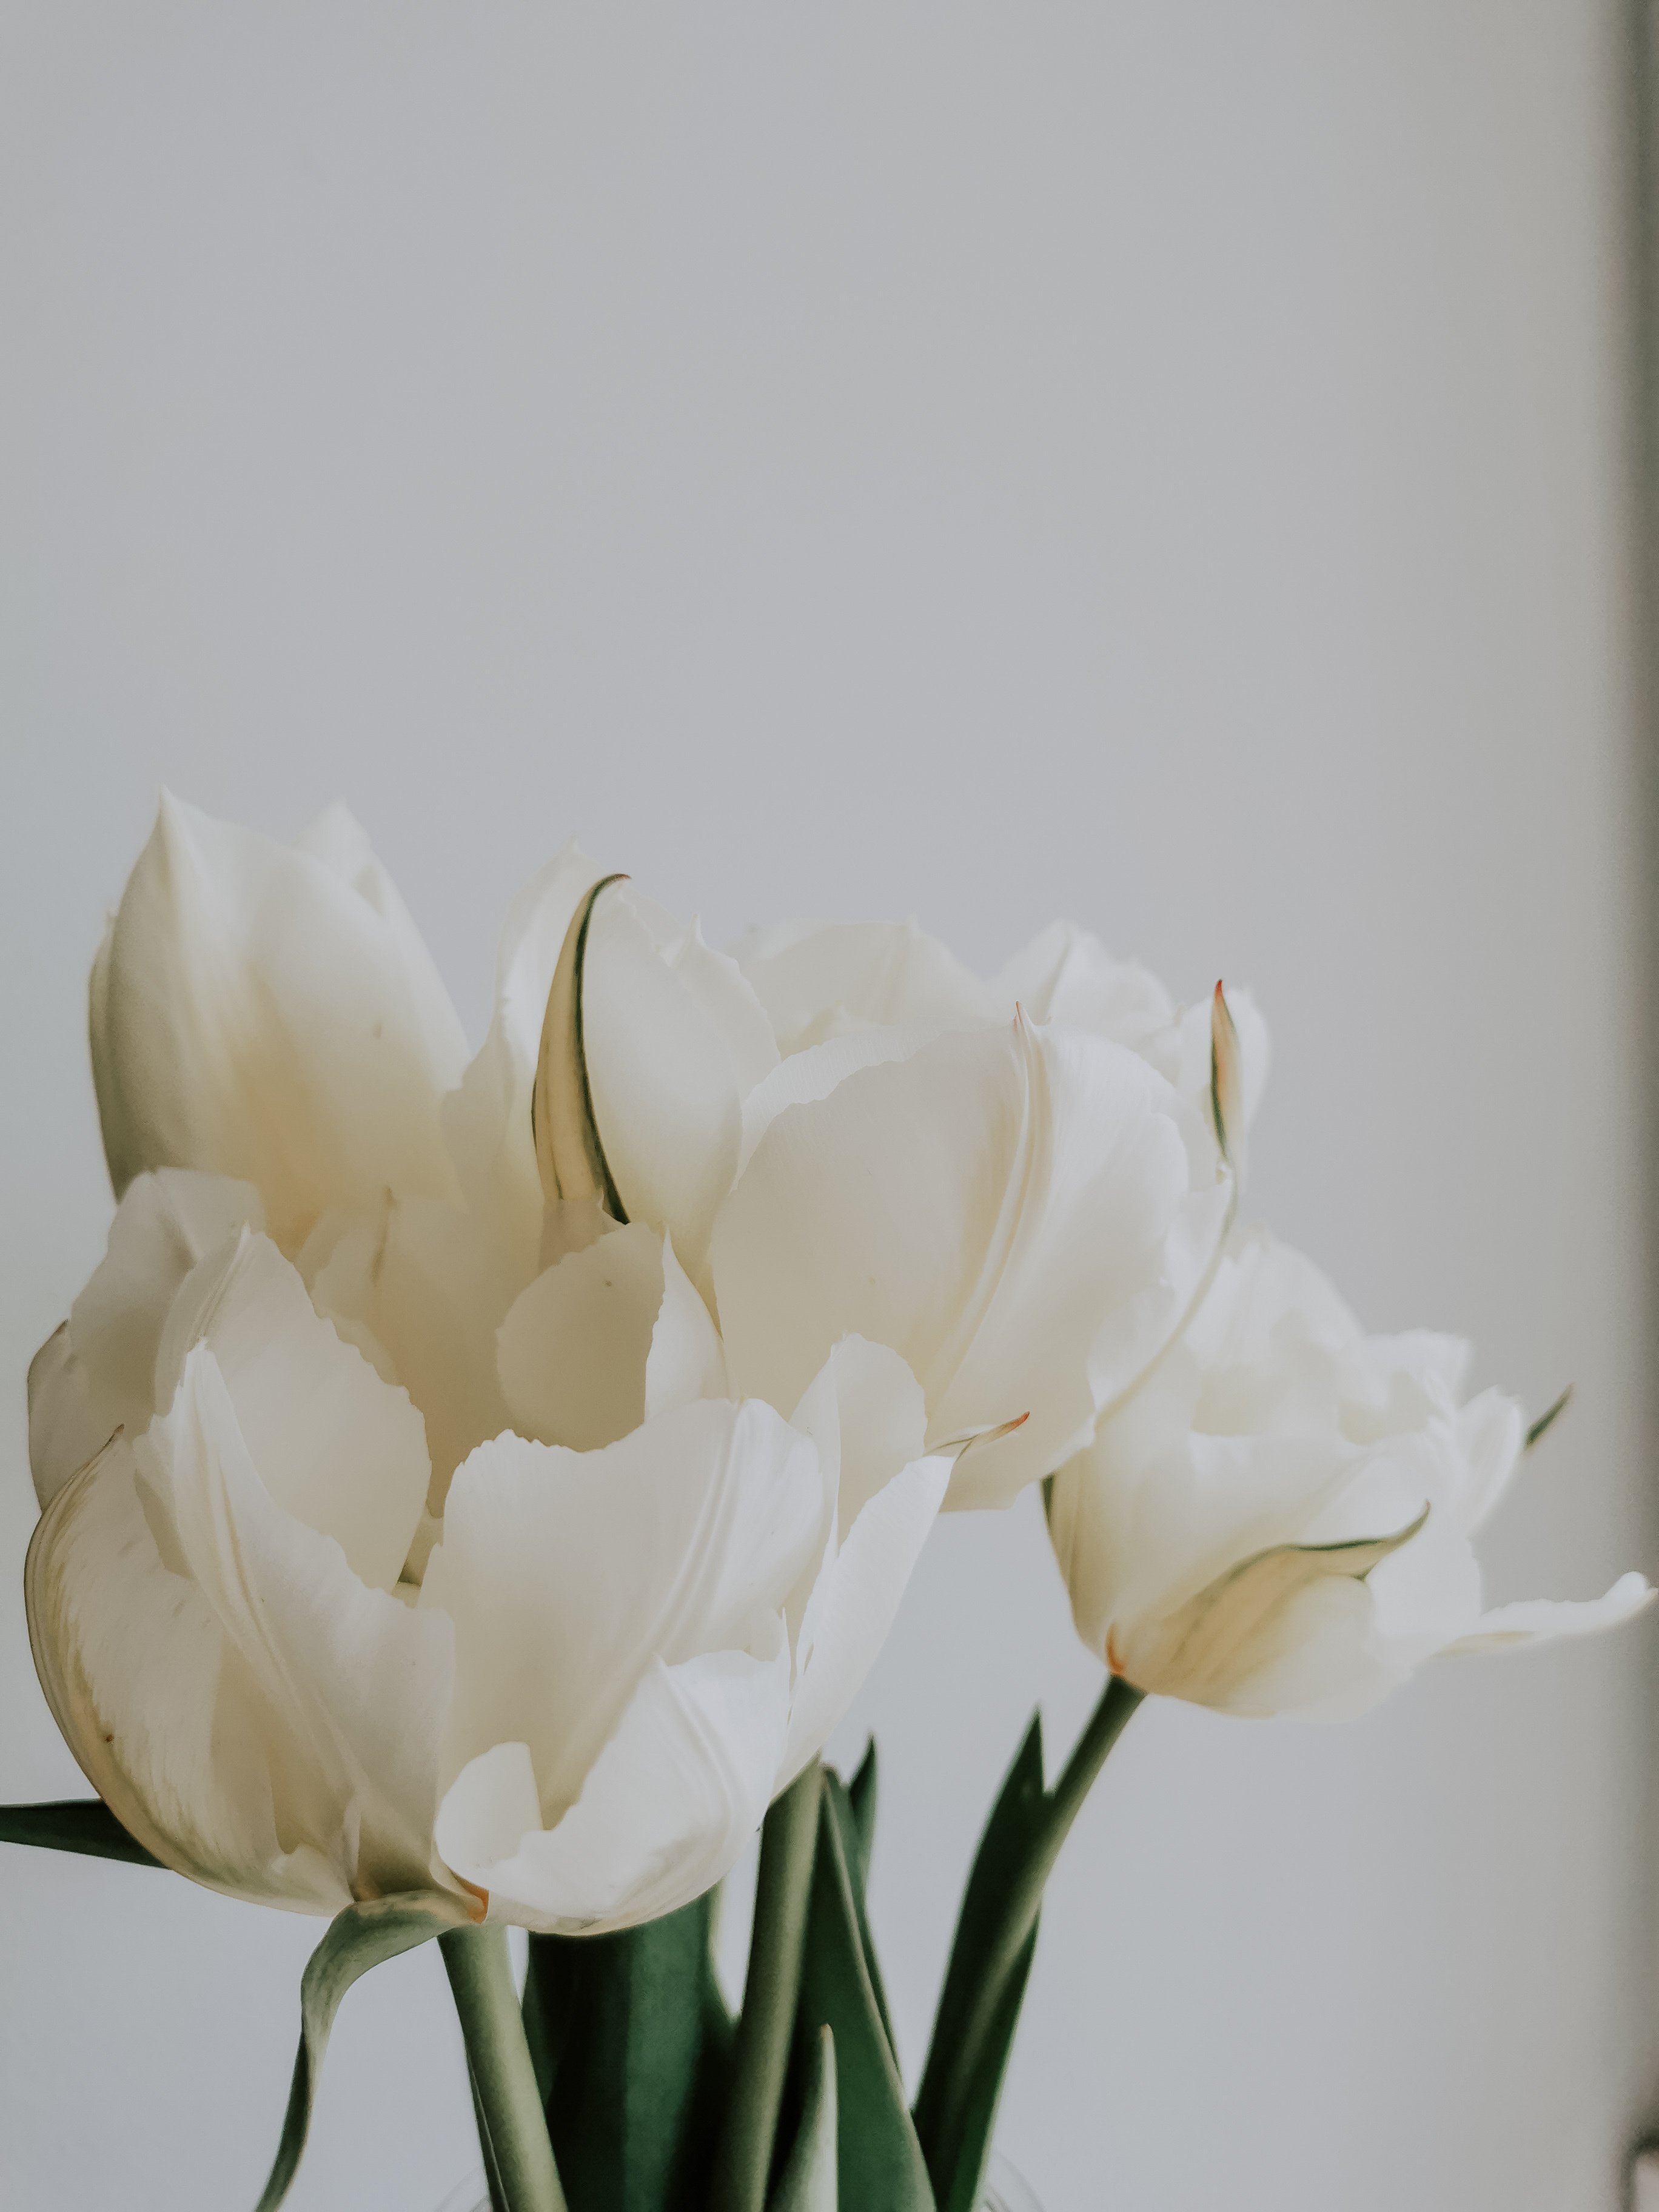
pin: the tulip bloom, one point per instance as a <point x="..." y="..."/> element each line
<point x="1280" y="1519"/>
<point x="399" y="1532"/>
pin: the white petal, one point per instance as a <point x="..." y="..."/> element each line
<point x="687" y="1359"/>
<point x="1244" y="1621"/>
<point x="419" y="1290"/>
<point x="572" y="1353"/>
<point x="1066" y="975"/>
<point x="855" y="1602"/>
<point x="866" y="1412"/>
<point x="816" y="980"/>
<point x="250" y="1711"/>
<point x="487" y="1121"/>
<point x="664" y="1813"/>
<point x="673" y="1040"/>
<point x="262" y="1012"/>
<point x="568" y="1573"/>
<point x="151" y="1700"/>
<point x="1540" y="1620"/>
<point x="817" y="1069"/>
<point x="97" y="1373"/>
<point x="1023" y="1216"/>
<point x="341" y="1450"/>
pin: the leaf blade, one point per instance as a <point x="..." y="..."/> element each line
<point x="879" y="2160"/>
<point x="362" y="1937"/>
<point x="83" y="1824"/>
<point x="809" y="2181"/>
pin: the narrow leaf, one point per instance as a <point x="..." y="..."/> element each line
<point x="362" y="1936"/>
<point x="1015" y="1819"/>
<point x="73" y="1824"/>
<point x="1546" y="1420"/>
<point x="861" y="1793"/>
<point x="851" y="1843"/>
<point x="633" y="2039"/>
<point x="808" y="2183"/>
<point x="969" y="2153"/>
<point x="879" y="2165"/>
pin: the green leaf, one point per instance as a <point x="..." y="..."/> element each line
<point x="632" y="2039"/>
<point x="808" y="2181"/>
<point x="970" y="2149"/>
<point x="1546" y="1420"/>
<point x="1016" y="1820"/>
<point x="362" y="1936"/>
<point x="73" y="1824"/>
<point x="879" y="2165"/>
<point x="861" y="1794"/>
<point x="852" y="1847"/>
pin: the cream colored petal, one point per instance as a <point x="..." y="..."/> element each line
<point x="97" y="1373"/>
<point x="568" y="1573"/>
<point x="153" y="1701"/>
<point x="817" y="1069"/>
<point x="487" y="1121"/>
<point x="816" y="981"/>
<point x="1023" y="1216"/>
<point x="1492" y="1434"/>
<point x="664" y="1813"/>
<point x="356" y="1685"/>
<point x="1204" y="1650"/>
<point x="573" y="1351"/>
<point x="420" y="1289"/>
<point x="866" y="1412"/>
<point x="250" y="1711"/>
<point x="855" y="1602"/>
<point x="687" y="1359"/>
<point x="1066" y="975"/>
<point x="673" y="1040"/>
<point x="257" y="1012"/>
<point x="336" y="1447"/>
<point x="1540" y="1620"/>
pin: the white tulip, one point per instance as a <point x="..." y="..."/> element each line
<point x="268" y="1012"/>
<point x="1280" y="1519"/>
<point x="292" y="1684"/>
<point x="673" y="1040"/>
<point x="1024" y="1214"/>
<point x="821" y="980"/>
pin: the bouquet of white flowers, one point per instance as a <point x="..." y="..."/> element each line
<point x="471" y="1491"/>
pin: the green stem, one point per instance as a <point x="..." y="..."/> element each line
<point x="975" y="1986"/>
<point x="511" y="2122"/>
<point x="743" y="2158"/>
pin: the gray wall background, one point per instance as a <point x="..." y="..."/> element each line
<point x="1165" y="464"/>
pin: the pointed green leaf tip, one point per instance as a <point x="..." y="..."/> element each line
<point x="73" y="1824"/>
<point x="1545" y="1421"/>
<point x="879" y="2165"/>
<point x="955" y="2121"/>
<point x="808" y="2183"/>
<point x="362" y="1936"/>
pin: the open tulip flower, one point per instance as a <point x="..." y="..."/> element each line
<point x="1280" y="1519"/>
<point x="472" y="1490"/>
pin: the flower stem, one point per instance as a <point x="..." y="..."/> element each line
<point x="998" y="1915"/>
<point x="743" y="2158"/>
<point x="511" y="2122"/>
